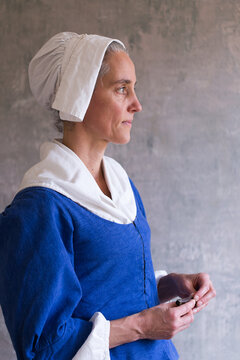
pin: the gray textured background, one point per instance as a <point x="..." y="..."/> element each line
<point x="185" y="147"/>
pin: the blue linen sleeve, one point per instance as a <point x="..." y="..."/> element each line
<point x="39" y="289"/>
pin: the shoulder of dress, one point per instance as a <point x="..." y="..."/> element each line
<point x="34" y="199"/>
<point x="35" y="207"/>
<point x="36" y="193"/>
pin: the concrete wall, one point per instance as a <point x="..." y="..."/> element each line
<point x="185" y="147"/>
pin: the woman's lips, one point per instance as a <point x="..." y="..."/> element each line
<point x="127" y="122"/>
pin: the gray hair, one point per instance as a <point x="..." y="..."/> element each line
<point x="112" y="48"/>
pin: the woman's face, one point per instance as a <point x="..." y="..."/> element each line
<point x="114" y="102"/>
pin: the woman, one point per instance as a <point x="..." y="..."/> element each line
<point x="77" y="277"/>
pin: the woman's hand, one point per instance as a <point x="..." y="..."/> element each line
<point x="203" y="289"/>
<point x="183" y="285"/>
<point x="159" y="322"/>
<point x="166" y="320"/>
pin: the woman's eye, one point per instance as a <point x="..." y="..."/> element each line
<point x="122" y="90"/>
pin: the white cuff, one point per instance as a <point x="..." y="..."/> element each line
<point x="159" y="274"/>
<point x="96" y="346"/>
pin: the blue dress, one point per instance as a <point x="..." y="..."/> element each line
<point x="60" y="263"/>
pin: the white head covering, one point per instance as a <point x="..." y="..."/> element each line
<point x="63" y="73"/>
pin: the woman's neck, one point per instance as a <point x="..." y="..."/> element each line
<point x="89" y="151"/>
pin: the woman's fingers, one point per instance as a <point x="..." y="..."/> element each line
<point x="183" y="315"/>
<point x="205" y="296"/>
<point x="205" y="290"/>
<point x="199" y="308"/>
<point x="185" y="308"/>
<point x="185" y="312"/>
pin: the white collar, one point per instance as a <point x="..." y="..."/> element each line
<point x="62" y="170"/>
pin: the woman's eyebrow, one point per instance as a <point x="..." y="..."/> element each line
<point x="123" y="81"/>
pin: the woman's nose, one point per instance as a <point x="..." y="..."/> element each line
<point x="135" y="106"/>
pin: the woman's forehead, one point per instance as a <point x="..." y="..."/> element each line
<point x="122" y="69"/>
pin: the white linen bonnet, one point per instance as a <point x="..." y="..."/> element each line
<point x="63" y="73"/>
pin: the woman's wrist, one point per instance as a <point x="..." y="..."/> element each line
<point x="125" y="330"/>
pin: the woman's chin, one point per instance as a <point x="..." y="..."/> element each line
<point x="123" y="140"/>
